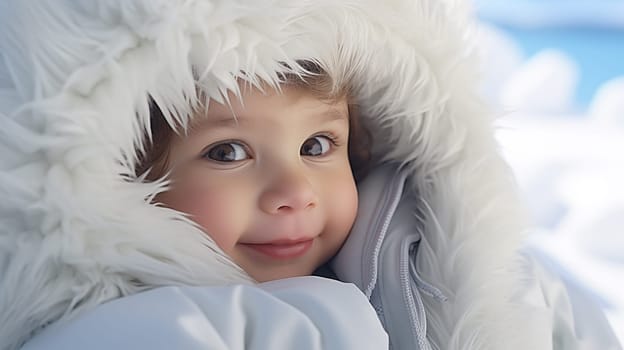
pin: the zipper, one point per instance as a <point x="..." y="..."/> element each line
<point x="412" y="283"/>
<point x="391" y="202"/>
<point x="416" y="308"/>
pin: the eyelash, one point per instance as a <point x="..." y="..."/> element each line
<point x="335" y="141"/>
<point x="206" y="152"/>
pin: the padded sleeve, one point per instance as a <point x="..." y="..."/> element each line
<point x="298" y="313"/>
<point x="568" y="315"/>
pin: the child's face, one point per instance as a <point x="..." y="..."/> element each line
<point x="273" y="187"/>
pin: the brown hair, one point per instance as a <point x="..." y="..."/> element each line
<point x="316" y="81"/>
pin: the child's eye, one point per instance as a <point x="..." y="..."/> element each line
<point x="227" y="152"/>
<point x="316" y="146"/>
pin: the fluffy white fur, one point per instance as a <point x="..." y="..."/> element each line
<point x="75" y="226"/>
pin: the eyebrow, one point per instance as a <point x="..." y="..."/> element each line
<point x="229" y="120"/>
<point x="220" y="120"/>
<point x="334" y="114"/>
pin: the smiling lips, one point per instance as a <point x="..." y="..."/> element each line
<point x="283" y="249"/>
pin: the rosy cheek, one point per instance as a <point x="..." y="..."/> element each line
<point x="344" y="199"/>
<point x="350" y="206"/>
<point x="215" y="212"/>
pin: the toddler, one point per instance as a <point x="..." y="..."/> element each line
<point x="267" y="177"/>
<point x="158" y="158"/>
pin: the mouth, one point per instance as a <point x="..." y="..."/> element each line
<point x="282" y="249"/>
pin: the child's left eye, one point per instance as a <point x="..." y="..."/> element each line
<point x="316" y="146"/>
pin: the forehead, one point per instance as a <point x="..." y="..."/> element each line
<point x="255" y="105"/>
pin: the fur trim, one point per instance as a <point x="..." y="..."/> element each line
<point x="75" y="222"/>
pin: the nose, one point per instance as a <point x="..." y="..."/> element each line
<point x="288" y="191"/>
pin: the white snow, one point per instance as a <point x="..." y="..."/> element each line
<point x="569" y="165"/>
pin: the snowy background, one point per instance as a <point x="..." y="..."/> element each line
<point x="555" y="69"/>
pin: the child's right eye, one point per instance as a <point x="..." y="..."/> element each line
<point x="226" y="152"/>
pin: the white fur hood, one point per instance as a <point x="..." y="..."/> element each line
<point x="76" y="225"/>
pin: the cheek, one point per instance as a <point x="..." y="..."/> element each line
<point x="217" y="209"/>
<point x="342" y="199"/>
